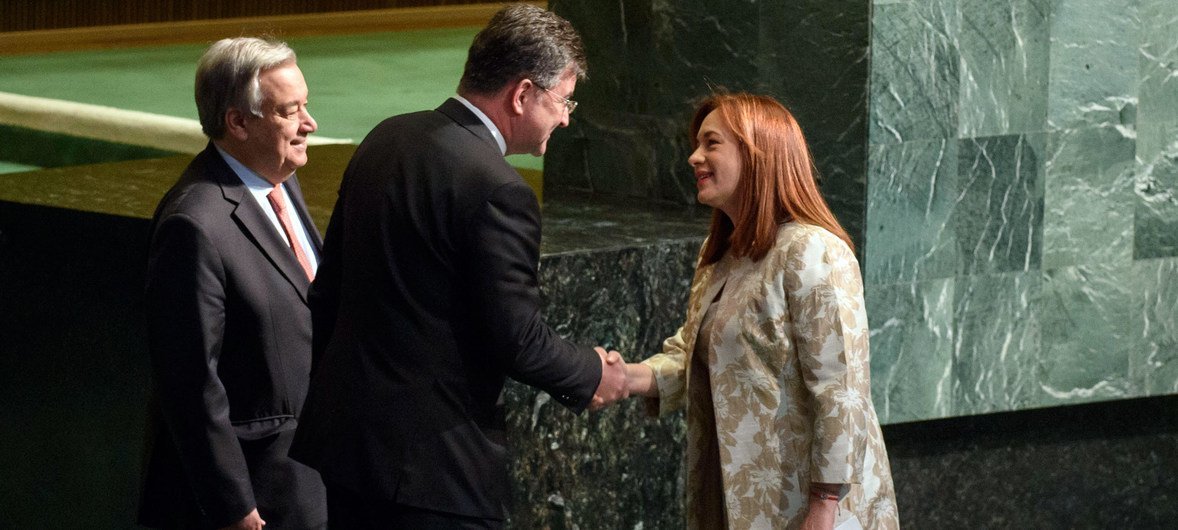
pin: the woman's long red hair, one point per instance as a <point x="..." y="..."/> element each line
<point x="777" y="180"/>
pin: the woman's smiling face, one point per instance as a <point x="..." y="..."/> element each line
<point x="717" y="165"/>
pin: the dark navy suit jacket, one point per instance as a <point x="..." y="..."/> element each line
<point x="229" y="334"/>
<point x="427" y="299"/>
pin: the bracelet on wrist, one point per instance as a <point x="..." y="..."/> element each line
<point x="823" y="496"/>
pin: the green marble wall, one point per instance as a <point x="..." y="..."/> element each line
<point x="651" y="62"/>
<point x="1022" y="204"/>
<point x="1009" y="167"/>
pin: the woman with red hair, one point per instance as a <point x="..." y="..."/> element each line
<point x="772" y="363"/>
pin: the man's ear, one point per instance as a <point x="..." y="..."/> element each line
<point x="519" y="94"/>
<point x="235" y="124"/>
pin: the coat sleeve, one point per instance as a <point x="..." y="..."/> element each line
<point x="670" y="375"/>
<point x="824" y="293"/>
<point x="185" y="302"/>
<point x="504" y="239"/>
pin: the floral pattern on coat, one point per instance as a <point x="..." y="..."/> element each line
<point x="791" y="388"/>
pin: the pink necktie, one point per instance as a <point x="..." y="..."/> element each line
<point x="279" y="205"/>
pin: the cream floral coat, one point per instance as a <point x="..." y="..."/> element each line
<point x="789" y="369"/>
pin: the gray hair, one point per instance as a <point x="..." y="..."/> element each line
<point x="522" y="41"/>
<point x="227" y="77"/>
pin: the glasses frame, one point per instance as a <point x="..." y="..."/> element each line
<point x="569" y="104"/>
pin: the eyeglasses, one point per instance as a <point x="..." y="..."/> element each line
<point x="569" y="104"/>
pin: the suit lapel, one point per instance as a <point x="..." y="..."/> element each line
<point x="257" y="227"/>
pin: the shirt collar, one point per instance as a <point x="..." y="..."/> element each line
<point x="251" y="180"/>
<point x="486" y="121"/>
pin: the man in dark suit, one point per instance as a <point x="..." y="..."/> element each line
<point x="428" y="297"/>
<point x="233" y="252"/>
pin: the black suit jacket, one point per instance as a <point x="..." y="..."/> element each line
<point x="229" y="334"/>
<point x="427" y="298"/>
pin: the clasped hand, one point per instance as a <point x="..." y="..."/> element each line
<point x="613" y="386"/>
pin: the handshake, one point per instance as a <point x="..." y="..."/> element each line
<point x="620" y="380"/>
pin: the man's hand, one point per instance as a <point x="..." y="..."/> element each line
<point x="251" y="521"/>
<point x="613" y="385"/>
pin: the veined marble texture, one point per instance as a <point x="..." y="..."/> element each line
<point x="996" y="342"/>
<point x="914" y="71"/>
<point x="1094" y="71"/>
<point x="1089" y="200"/>
<point x="1090" y="318"/>
<point x="615" y="468"/>
<point x="1004" y="51"/>
<point x="1155" y="365"/>
<point x="1023" y="163"/>
<point x="1158" y="93"/>
<point x="651" y="62"/>
<point x="998" y="217"/>
<point x="912" y="336"/>
<point x="913" y="185"/>
<point x="1156" y="215"/>
<point x="1006" y="168"/>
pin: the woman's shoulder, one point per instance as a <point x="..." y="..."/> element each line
<point x="797" y="238"/>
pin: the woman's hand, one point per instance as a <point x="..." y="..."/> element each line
<point x="823" y="508"/>
<point x="820" y="515"/>
<point x="640" y="380"/>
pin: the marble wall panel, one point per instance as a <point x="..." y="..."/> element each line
<point x="992" y="165"/>
<point x="1090" y="321"/>
<point x="1156" y="214"/>
<point x="1088" y="197"/>
<point x="615" y="468"/>
<point x="912" y="349"/>
<point x="1154" y="365"/>
<point x="914" y="71"/>
<point x="910" y="198"/>
<point x="996" y="345"/>
<point x="699" y="45"/>
<point x="651" y="62"/>
<point x="1094" y="63"/>
<point x="1158" y="92"/>
<point x="843" y="181"/>
<point x="999" y="210"/>
<point x="626" y="154"/>
<point x="814" y="59"/>
<point x="1004" y="48"/>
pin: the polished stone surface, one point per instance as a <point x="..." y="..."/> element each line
<point x="615" y="468"/>
<point x="911" y="184"/>
<point x="649" y="63"/>
<point x="1105" y="465"/>
<point x="1088" y="198"/>
<point x="1158" y="92"/>
<point x="1156" y="219"/>
<point x="996" y="343"/>
<point x="1154" y="365"/>
<point x="1095" y="70"/>
<point x="1021" y="215"/>
<point x="998" y="218"/>
<point x="912" y="349"/>
<point x="1088" y="361"/>
<point x="914" y="71"/>
<point x="1004" y="48"/>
